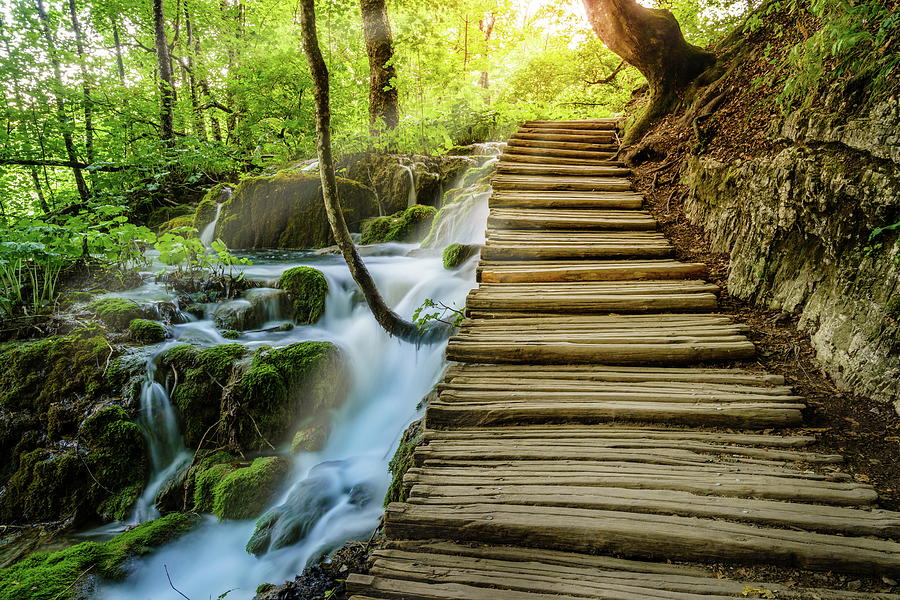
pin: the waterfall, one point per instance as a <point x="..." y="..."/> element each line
<point x="411" y="197"/>
<point x="168" y="455"/>
<point x="336" y="492"/>
<point x="208" y="234"/>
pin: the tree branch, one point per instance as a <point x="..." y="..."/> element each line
<point x="27" y="162"/>
<point x="608" y="79"/>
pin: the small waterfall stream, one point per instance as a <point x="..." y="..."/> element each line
<point x="412" y="198"/>
<point x="388" y="379"/>
<point x="209" y="232"/>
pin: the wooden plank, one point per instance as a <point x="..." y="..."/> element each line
<point x="555" y="152"/>
<point x="567" y="183"/>
<point x="501" y="218"/>
<point x="562" y="199"/>
<point x="605" y="159"/>
<point x="619" y="432"/>
<point x="523" y="142"/>
<point x="574" y="271"/>
<point x="561" y="170"/>
<point x="594" y="303"/>
<point x="616" y="373"/>
<point x="644" y="535"/>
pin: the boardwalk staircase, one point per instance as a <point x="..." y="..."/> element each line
<point x="585" y="444"/>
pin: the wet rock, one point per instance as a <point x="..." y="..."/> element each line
<point x="409" y="225"/>
<point x="307" y="290"/>
<point x="239" y="315"/>
<point x="455" y="255"/>
<point x="310" y="439"/>
<point x="145" y="331"/>
<point x="242" y="493"/>
<point x="116" y="313"/>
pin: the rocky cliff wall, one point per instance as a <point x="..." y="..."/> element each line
<point x="802" y="226"/>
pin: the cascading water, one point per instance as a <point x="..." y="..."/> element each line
<point x="333" y="494"/>
<point x="411" y="197"/>
<point x="168" y="453"/>
<point x="209" y="232"/>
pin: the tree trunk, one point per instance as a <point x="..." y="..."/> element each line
<point x="383" y="110"/>
<point x="166" y="84"/>
<point x="64" y="123"/>
<point x="649" y="39"/>
<point x="35" y="178"/>
<point x="193" y="46"/>
<point x="85" y="84"/>
<point x="486" y="25"/>
<point x="387" y="318"/>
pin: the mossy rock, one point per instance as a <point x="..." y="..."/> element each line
<point x="166" y="213"/>
<point x="61" y="575"/>
<point x="231" y="334"/>
<point x="236" y="315"/>
<point x="243" y="493"/>
<point x="283" y="386"/>
<point x="402" y="461"/>
<point x="116" y="313"/>
<point x="307" y="289"/>
<point x="409" y="225"/>
<point x="145" y="331"/>
<point x="203" y="374"/>
<point x="455" y="255"/>
<point x="178" y="223"/>
<point x="310" y="439"/>
<point x="287" y="211"/>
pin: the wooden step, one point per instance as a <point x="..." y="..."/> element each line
<point x="596" y="124"/>
<point x="559" y="153"/>
<point x="561" y="170"/>
<point x="557" y="160"/>
<point x="620" y="340"/>
<point x="586" y="297"/>
<point x="636" y="535"/>
<point x="448" y="571"/>
<point x="569" y="183"/>
<point x="529" y="218"/>
<point x="573" y="271"/>
<point x="587" y="373"/>
<point x="600" y="137"/>
<point x="512" y="198"/>
<point x="566" y="244"/>
<point x="607" y="148"/>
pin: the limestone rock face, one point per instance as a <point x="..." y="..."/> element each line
<point x="804" y="229"/>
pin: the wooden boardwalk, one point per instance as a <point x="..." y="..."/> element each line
<point x="585" y="445"/>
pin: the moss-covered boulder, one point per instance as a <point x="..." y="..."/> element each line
<point x="68" y="446"/>
<point x="409" y="225"/>
<point x="287" y="211"/>
<point x="243" y="493"/>
<point x="116" y="313"/>
<point x="455" y="255"/>
<point x="61" y="575"/>
<point x="145" y="331"/>
<point x="307" y="290"/>
<point x="160" y="215"/>
<point x="252" y="310"/>
<point x="178" y="222"/>
<point x="229" y="395"/>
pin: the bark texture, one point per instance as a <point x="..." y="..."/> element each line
<point x="649" y="39"/>
<point x="387" y="318"/>
<point x="166" y="84"/>
<point x="383" y="110"/>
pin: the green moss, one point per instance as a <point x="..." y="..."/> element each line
<point x="284" y="385"/>
<point x="57" y="575"/>
<point x="231" y="334"/>
<point x="116" y="313"/>
<point x="893" y="306"/>
<point x="406" y="226"/>
<point x="205" y="483"/>
<point x="243" y="493"/>
<point x="203" y="374"/>
<point x="309" y="439"/>
<point x="146" y="331"/>
<point x="165" y="213"/>
<point x="177" y="223"/>
<point x="402" y="461"/>
<point x="456" y="254"/>
<point x="307" y="289"/>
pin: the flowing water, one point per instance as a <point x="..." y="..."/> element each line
<point x="209" y="232"/>
<point x="388" y="379"/>
<point x="411" y="197"/>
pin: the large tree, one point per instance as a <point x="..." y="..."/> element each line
<point x="387" y="318"/>
<point x="383" y="111"/>
<point x="649" y="39"/>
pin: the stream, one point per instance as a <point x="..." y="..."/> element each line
<point x="388" y="379"/>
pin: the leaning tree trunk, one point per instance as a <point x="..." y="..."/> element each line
<point x="387" y="318"/>
<point x="166" y="83"/>
<point x="649" y="39"/>
<point x="383" y="111"/>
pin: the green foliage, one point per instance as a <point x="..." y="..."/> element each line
<point x="57" y="575"/>
<point x="855" y="43"/>
<point x="441" y="314"/>
<point x="146" y="331"/>
<point x="874" y="244"/>
<point x="307" y="289"/>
